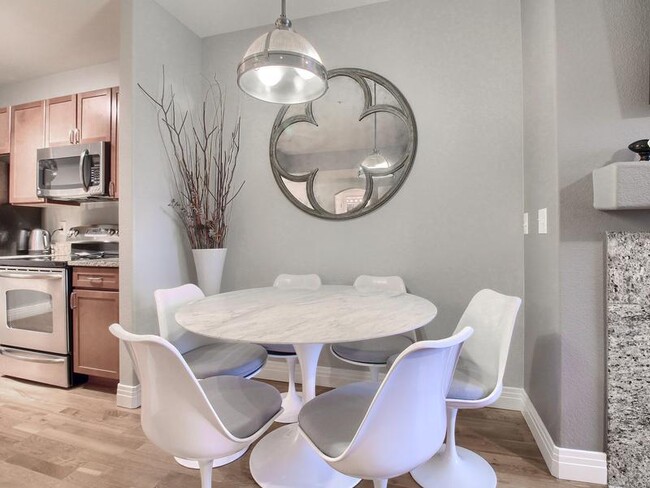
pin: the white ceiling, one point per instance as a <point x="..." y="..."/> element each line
<point x="210" y="17"/>
<point x="41" y="37"/>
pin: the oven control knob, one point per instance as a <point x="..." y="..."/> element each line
<point x="111" y="232"/>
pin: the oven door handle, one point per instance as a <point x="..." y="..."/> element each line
<point x="31" y="276"/>
<point x="26" y="356"/>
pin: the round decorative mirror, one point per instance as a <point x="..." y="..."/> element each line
<point x="348" y="152"/>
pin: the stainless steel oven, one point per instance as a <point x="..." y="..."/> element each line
<point x="74" y="172"/>
<point x="34" y="324"/>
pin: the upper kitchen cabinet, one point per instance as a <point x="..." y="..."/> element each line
<point x="82" y="118"/>
<point x="94" y="116"/>
<point x="5" y="122"/>
<point x="27" y="135"/>
<point x="60" y="121"/>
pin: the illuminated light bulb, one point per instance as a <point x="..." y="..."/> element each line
<point x="269" y="75"/>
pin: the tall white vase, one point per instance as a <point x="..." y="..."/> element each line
<point x="209" y="269"/>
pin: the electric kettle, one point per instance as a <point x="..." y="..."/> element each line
<point x="39" y="241"/>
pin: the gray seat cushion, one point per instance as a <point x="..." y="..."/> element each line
<point x="225" y="358"/>
<point x="280" y="349"/>
<point x="466" y="385"/>
<point x="244" y="406"/>
<point x="373" y="351"/>
<point x="330" y="420"/>
<point x="469" y="383"/>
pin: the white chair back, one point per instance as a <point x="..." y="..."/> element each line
<point x="484" y="357"/>
<point x="168" y="301"/>
<point x="393" y="285"/>
<point x="405" y="424"/>
<point x="298" y="282"/>
<point x="390" y="285"/>
<point x="176" y="415"/>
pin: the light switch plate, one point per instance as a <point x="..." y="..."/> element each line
<point x="525" y="223"/>
<point x="542" y="221"/>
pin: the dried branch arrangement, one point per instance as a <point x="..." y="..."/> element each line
<point x="202" y="163"/>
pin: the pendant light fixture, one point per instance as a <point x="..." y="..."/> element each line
<point x="375" y="160"/>
<point x="282" y="66"/>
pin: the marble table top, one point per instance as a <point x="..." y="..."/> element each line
<point x="327" y="315"/>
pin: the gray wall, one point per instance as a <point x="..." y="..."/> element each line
<point x="455" y="226"/>
<point x="542" y="368"/>
<point x="603" y="86"/>
<point x="154" y="251"/>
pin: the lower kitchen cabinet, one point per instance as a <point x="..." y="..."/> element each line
<point x="94" y="308"/>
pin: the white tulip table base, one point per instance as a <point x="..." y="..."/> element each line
<point x="284" y="459"/>
<point x="292" y="403"/>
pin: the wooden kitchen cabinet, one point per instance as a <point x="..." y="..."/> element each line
<point x="79" y="119"/>
<point x="5" y="124"/>
<point x="27" y="135"/>
<point x="95" y="306"/>
<point x="94" y="116"/>
<point x="60" y="121"/>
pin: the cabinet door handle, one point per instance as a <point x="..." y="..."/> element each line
<point x="111" y="189"/>
<point x="73" y="300"/>
<point x="71" y="136"/>
<point x="95" y="279"/>
<point x="76" y="132"/>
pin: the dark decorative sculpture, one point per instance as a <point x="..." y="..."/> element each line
<point x="641" y="148"/>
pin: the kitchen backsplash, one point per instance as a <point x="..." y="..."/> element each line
<point x="85" y="214"/>
<point x="12" y="219"/>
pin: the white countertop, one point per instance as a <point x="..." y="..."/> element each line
<point x="330" y="314"/>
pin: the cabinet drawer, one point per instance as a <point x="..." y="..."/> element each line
<point x="96" y="278"/>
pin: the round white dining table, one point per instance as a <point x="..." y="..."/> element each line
<point x="307" y="319"/>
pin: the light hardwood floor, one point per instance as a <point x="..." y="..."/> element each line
<point x="57" y="438"/>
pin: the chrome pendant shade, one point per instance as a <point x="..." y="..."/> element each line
<point x="282" y="67"/>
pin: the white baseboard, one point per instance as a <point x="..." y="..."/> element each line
<point x="128" y="396"/>
<point x="566" y="464"/>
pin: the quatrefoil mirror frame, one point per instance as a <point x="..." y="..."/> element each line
<point x="399" y="170"/>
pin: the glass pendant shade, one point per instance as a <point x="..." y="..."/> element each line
<point x="282" y="67"/>
<point x="375" y="161"/>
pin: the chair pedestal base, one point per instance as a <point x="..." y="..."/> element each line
<point x="191" y="464"/>
<point x="292" y="403"/>
<point x="468" y="470"/>
<point x="284" y="459"/>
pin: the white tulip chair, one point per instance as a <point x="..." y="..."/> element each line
<point x="195" y="419"/>
<point x="374" y="353"/>
<point x="477" y="383"/>
<point x="378" y="431"/>
<point x="206" y="357"/>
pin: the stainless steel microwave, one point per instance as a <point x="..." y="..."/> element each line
<point x="75" y="172"/>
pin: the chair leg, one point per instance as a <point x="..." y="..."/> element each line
<point x="205" y="466"/>
<point x="291" y="401"/>
<point x="455" y="466"/>
<point x="380" y="483"/>
<point x="374" y="372"/>
<point x="451" y="452"/>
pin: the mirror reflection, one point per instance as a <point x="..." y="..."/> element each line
<point x="348" y="152"/>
